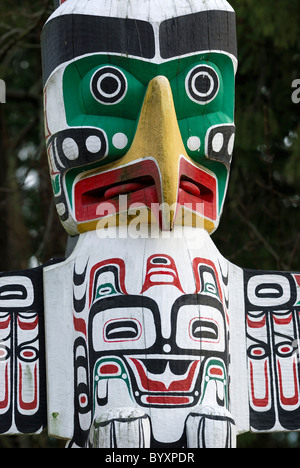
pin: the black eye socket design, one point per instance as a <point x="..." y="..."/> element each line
<point x="202" y="84"/>
<point x="109" y="85"/>
<point x="204" y="330"/>
<point x="122" y="330"/>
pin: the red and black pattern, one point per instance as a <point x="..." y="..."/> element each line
<point x="273" y="332"/>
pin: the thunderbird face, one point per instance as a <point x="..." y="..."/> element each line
<point x="157" y="341"/>
<point x="139" y="103"/>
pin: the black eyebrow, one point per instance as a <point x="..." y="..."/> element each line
<point x="206" y="30"/>
<point x="69" y="36"/>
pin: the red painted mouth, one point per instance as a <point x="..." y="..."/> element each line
<point x="166" y="388"/>
<point x="99" y="195"/>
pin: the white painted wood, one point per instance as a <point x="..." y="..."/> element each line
<point x="238" y="349"/>
<point x="121" y="428"/>
<point x="59" y="339"/>
<point x="183" y="246"/>
<point x="153" y="10"/>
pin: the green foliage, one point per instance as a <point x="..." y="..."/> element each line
<point x="29" y="231"/>
<point x="259" y="228"/>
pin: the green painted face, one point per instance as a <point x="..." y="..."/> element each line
<point x="120" y="113"/>
<point x="107" y="92"/>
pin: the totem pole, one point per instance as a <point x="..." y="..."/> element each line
<point x="145" y="335"/>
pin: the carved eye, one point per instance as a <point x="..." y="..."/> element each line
<point x="202" y="84"/>
<point x="204" y="330"/>
<point x="122" y="330"/>
<point x="108" y="85"/>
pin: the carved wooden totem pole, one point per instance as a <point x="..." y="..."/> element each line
<point x="144" y="336"/>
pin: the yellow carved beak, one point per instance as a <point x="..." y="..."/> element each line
<point x="158" y="136"/>
<point x="157" y="140"/>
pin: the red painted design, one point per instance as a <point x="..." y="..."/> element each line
<point x="4" y="402"/>
<point x="190" y="187"/>
<point x="198" y="189"/>
<point x="256" y="323"/>
<point x="28" y="324"/>
<point x="123" y="189"/>
<point x="216" y="372"/>
<point x="297" y="278"/>
<point x="161" y="270"/>
<point x="4" y="323"/>
<point x="98" y="195"/>
<point x="168" y="400"/>
<point x="83" y="400"/>
<point x="109" y="369"/>
<point x="288" y="401"/>
<point x="137" y="181"/>
<point x="28" y="354"/>
<point x="283" y="320"/>
<point x="260" y="402"/>
<point x="80" y="325"/>
<point x="182" y="386"/>
<point x="113" y="261"/>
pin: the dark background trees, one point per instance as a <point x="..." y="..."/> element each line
<point x="30" y="231"/>
<point x="260" y="224"/>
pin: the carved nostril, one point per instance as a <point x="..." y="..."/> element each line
<point x="70" y="149"/>
<point x="77" y="146"/>
<point x="93" y="144"/>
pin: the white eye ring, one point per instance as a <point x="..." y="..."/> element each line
<point x="108" y="85"/>
<point x="202" y="84"/>
<point x="112" y="77"/>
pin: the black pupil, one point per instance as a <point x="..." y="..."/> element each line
<point x="160" y="260"/>
<point x="109" y="85"/>
<point x="202" y="84"/>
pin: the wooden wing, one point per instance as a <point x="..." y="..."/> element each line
<point x="272" y="303"/>
<point x="22" y="352"/>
